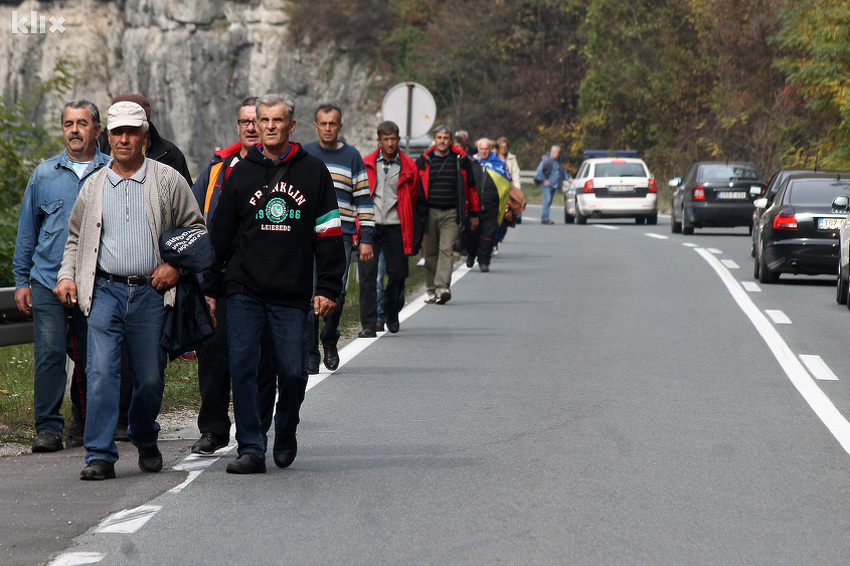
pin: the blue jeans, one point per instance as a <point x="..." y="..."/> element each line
<point x="48" y="315"/>
<point x="134" y="315"/>
<point x="288" y="327"/>
<point x="548" y="196"/>
<point x="379" y="289"/>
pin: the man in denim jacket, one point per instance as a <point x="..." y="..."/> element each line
<point x="42" y="231"/>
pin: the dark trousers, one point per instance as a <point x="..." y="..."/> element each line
<point x="330" y="333"/>
<point x="214" y="379"/>
<point x="479" y="242"/>
<point x="387" y="239"/>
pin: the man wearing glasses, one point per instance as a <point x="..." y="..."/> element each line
<point x="213" y="367"/>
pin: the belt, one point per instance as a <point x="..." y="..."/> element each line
<point x="132" y="280"/>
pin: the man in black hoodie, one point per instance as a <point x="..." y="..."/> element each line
<point x="277" y="214"/>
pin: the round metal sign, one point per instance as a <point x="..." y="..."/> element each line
<point x="411" y="106"/>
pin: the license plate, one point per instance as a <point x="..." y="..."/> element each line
<point x="620" y="189"/>
<point x="732" y="195"/>
<point x="829" y="223"/>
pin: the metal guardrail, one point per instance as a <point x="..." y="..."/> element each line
<point x="526" y="177"/>
<point x="15" y="326"/>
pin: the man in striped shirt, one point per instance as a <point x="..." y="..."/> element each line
<point x="352" y="193"/>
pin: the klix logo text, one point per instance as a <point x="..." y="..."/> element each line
<point x="36" y="23"/>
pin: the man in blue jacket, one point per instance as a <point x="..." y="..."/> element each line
<point x="42" y="231"/>
<point x="550" y="176"/>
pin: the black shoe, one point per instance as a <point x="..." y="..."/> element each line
<point x="380" y="327"/>
<point x="470" y="261"/>
<point x="74" y="436"/>
<point x="547" y="221"/>
<point x="366" y="333"/>
<point x="331" y="356"/>
<point x="47" y="442"/>
<point x="393" y="327"/>
<point x="285" y="449"/>
<point x="207" y="444"/>
<point x="484" y="267"/>
<point x="246" y="464"/>
<point x="121" y="434"/>
<point x="98" y="470"/>
<point x="312" y="366"/>
<point x="150" y="459"/>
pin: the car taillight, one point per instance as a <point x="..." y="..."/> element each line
<point x="785" y="222"/>
<point x="699" y="193"/>
<point x="588" y="186"/>
<point x="652" y="187"/>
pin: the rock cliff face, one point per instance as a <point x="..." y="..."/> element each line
<point x="195" y="60"/>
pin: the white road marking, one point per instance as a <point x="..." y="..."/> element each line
<point x="715" y="251"/>
<point x="730" y="264"/>
<point x="690" y="245"/>
<point x="77" y="559"/>
<point x="128" y="521"/>
<point x="605" y="226"/>
<point x="818" y="367"/>
<point x="778" y="317"/>
<point x="751" y="286"/>
<point x="793" y="367"/>
<point x="657" y="236"/>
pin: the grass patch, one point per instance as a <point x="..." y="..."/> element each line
<point x="17" y="368"/>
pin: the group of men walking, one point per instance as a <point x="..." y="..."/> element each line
<point x="282" y="220"/>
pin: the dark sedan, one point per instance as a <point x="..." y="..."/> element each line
<point x="798" y="231"/>
<point x="772" y="188"/>
<point x="715" y="194"/>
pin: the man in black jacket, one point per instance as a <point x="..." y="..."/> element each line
<point x="276" y="216"/>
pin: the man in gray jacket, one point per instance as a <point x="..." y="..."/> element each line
<point x="112" y="267"/>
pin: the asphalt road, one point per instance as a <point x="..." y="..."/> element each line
<point x="607" y="394"/>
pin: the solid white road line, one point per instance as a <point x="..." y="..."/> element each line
<point x="778" y="317"/>
<point x="793" y="367"/>
<point x="818" y="367"/>
<point x="751" y="286"/>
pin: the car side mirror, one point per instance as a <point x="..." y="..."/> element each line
<point x="755" y="190"/>
<point x="674" y="182"/>
<point x="760" y="203"/>
<point x="841" y="204"/>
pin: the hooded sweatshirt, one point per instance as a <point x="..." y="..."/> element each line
<point x="268" y="237"/>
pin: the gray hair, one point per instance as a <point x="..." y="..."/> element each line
<point x="442" y="129"/>
<point x="275" y="99"/>
<point x="82" y="103"/>
<point x="554" y="147"/>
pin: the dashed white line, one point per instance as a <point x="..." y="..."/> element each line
<point x="128" y="521"/>
<point x="605" y="226"/>
<point x="690" y="245"/>
<point x="77" y="559"/>
<point x="657" y="236"/>
<point x="730" y="264"/>
<point x="793" y="367"/>
<point x="818" y="367"/>
<point x="778" y="317"/>
<point x="715" y="251"/>
<point x="751" y="286"/>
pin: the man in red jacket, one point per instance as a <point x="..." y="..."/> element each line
<point x="394" y="186"/>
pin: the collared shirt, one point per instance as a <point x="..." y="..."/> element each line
<point x="385" y="197"/>
<point x="126" y="243"/>
<point x="43" y="222"/>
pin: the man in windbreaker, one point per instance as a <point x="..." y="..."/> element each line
<point x="276" y="215"/>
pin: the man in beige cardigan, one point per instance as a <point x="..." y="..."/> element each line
<point x="112" y="266"/>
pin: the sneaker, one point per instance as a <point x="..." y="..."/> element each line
<point x="47" y="442"/>
<point x="74" y="436"/>
<point x="189" y="356"/>
<point x="431" y="297"/>
<point x="207" y="444"/>
<point x="98" y="470"/>
<point x="547" y="221"/>
<point x="246" y="464"/>
<point x="443" y="296"/>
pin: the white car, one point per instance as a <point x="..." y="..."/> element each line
<point x="612" y="187"/>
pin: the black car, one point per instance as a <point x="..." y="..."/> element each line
<point x="772" y="188"/>
<point x="715" y="193"/>
<point x="798" y="231"/>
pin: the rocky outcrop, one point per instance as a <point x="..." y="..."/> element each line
<point x="195" y="60"/>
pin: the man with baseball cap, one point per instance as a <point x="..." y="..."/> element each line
<point x="113" y="269"/>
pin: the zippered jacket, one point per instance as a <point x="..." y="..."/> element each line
<point x="407" y="193"/>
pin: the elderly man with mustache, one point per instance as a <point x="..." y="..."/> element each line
<point x="42" y="231"/>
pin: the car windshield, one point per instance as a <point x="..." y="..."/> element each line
<point x="815" y="192"/>
<point x="728" y="171"/>
<point x="620" y="170"/>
